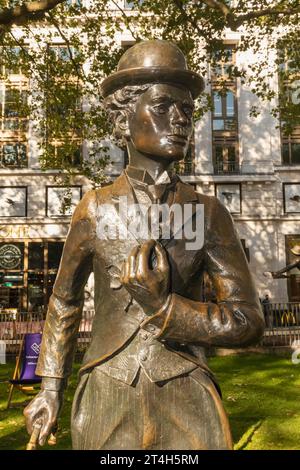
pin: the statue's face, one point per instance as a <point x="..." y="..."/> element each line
<point x="162" y="125"/>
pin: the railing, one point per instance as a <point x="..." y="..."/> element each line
<point x="185" y="169"/>
<point x="282" y="327"/>
<point x="14" y="326"/>
<point x="282" y="324"/>
<point x="225" y="168"/>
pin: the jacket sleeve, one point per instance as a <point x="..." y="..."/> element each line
<point x="236" y="320"/>
<point x="66" y="302"/>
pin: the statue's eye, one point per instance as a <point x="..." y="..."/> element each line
<point x="188" y="111"/>
<point x="161" y="108"/>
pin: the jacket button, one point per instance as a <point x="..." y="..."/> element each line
<point x="143" y="356"/>
<point x="151" y="328"/>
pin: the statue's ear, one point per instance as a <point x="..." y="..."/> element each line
<point x="122" y="125"/>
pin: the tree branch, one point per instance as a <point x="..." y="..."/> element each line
<point x="28" y="11"/>
<point x="235" y="21"/>
<point x="239" y="20"/>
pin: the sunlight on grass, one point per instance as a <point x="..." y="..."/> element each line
<point x="260" y="394"/>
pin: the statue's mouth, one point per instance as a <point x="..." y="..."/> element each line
<point x="178" y="138"/>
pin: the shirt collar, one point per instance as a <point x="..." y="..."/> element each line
<point x="142" y="176"/>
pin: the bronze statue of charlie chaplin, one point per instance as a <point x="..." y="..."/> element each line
<point x="144" y="382"/>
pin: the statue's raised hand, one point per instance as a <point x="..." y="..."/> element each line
<point x="146" y="276"/>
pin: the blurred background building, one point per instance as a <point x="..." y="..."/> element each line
<point x="242" y="160"/>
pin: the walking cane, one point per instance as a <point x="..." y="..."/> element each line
<point x="33" y="441"/>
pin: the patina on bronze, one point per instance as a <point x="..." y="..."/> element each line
<point x="144" y="382"/>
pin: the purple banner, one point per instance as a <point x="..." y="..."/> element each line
<point x="31" y="353"/>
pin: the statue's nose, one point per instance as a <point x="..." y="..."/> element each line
<point x="178" y="116"/>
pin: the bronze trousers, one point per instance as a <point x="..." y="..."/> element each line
<point x="184" y="413"/>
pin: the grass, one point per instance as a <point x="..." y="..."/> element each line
<point x="260" y="395"/>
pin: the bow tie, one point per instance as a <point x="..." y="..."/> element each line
<point x="142" y="180"/>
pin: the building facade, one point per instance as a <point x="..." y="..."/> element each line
<point x="242" y="160"/>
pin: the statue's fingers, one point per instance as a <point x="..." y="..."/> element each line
<point x="126" y="271"/>
<point x="124" y="277"/>
<point x="162" y="259"/>
<point x="144" y="257"/>
<point x="132" y="262"/>
<point x="45" y="432"/>
<point x="28" y="421"/>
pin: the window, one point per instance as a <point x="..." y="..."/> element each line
<point x="224" y="114"/>
<point x="230" y="195"/>
<point x="27" y="273"/>
<point x="223" y="62"/>
<point x="13" y="201"/>
<point x="64" y="126"/>
<point x="287" y="60"/>
<point x="291" y="197"/>
<point x="54" y="254"/>
<point x="225" y="158"/>
<point x="62" y="200"/>
<point x="61" y="52"/>
<point x="11" y="61"/>
<point x="290" y="152"/>
<point x="13" y="109"/>
<point x="13" y="155"/>
<point x="63" y="154"/>
<point x="289" y="82"/>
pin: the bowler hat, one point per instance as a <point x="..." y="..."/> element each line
<point x="153" y="61"/>
<point x="296" y="249"/>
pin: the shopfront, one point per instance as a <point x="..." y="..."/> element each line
<point x="27" y="273"/>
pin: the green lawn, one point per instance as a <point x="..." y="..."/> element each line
<point x="260" y="394"/>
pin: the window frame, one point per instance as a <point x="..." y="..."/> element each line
<point x="284" y="186"/>
<point x="25" y="188"/>
<point x="239" y="185"/>
<point x="60" y="216"/>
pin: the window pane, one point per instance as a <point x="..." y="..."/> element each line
<point x="14" y="155"/>
<point x="54" y="254"/>
<point x="219" y="153"/>
<point x="13" y="67"/>
<point x="286" y="154"/>
<point x="295" y="153"/>
<point x="231" y="154"/>
<point x="36" y="255"/>
<point x="218" y="125"/>
<point x="22" y="154"/>
<point x="35" y="291"/>
<point x="230" y="124"/>
<point x="217" y="105"/>
<point x="10" y="155"/>
<point x="229" y="104"/>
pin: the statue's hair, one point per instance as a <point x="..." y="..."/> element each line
<point x="119" y="105"/>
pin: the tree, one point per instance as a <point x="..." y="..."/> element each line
<point x="63" y="77"/>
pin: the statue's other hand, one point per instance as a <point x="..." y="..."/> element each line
<point x="43" y="410"/>
<point x="146" y="281"/>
